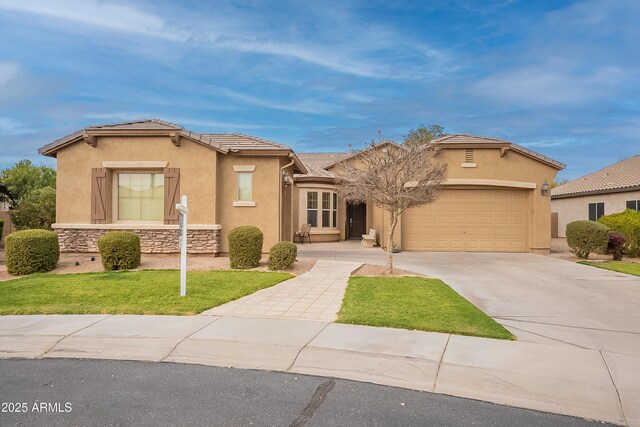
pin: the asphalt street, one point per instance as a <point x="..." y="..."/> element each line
<point x="62" y="392"/>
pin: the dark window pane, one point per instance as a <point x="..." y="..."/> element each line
<point x="325" y="219"/>
<point x="632" y="204"/>
<point x="312" y="218"/>
<point x="335" y="218"/>
<point x="592" y="212"/>
<point x="599" y="210"/>
<point x="335" y="200"/>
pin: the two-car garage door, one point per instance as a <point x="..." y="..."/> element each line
<point x="482" y="220"/>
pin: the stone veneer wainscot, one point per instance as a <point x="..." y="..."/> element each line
<point x="162" y="239"/>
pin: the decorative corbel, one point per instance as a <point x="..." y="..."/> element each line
<point x="175" y="139"/>
<point x="503" y="151"/>
<point x="92" y="140"/>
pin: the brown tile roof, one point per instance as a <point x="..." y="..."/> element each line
<point x="464" y="139"/>
<point x="219" y="141"/>
<point x="236" y="141"/>
<point x="619" y="176"/>
<point x="149" y="124"/>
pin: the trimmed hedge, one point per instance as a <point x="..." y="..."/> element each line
<point x="31" y="251"/>
<point x="628" y="223"/>
<point x="584" y="237"/>
<point x="119" y="250"/>
<point x="245" y="246"/>
<point x="282" y="255"/>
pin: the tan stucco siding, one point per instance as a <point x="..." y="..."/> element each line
<point x="577" y="208"/>
<point x="516" y="167"/>
<point x="265" y="193"/>
<point x="491" y="166"/>
<point x="197" y="173"/>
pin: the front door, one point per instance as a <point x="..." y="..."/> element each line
<point x="356" y="221"/>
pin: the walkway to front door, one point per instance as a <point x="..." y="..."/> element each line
<point x="315" y="295"/>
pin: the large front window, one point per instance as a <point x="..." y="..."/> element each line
<point x="140" y="196"/>
<point x="322" y="209"/>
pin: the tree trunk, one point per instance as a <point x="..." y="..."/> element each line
<point x="394" y="221"/>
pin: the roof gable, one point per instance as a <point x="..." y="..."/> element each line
<point x="619" y="176"/>
<point x="464" y="140"/>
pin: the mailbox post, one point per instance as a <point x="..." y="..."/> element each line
<point x="183" y="210"/>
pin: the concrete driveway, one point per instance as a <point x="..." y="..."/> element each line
<point x="538" y="298"/>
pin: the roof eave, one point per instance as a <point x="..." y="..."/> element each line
<point x="596" y="192"/>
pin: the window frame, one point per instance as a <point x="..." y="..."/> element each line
<point x="326" y="210"/>
<point x="115" y="204"/>
<point x="321" y="203"/>
<point x="239" y="175"/>
<point x="633" y="202"/>
<point x="334" y="209"/>
<point x="597" y="209"/>
<point x="312" y="209"/>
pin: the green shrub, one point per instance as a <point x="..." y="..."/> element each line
<point x="245" y="246"/>
<point x="37" y="209"/>
<point x="628" y="223"/>
<point x="615" y="246"/>
<point x="282" y="256"/>
<point x="31" y="251"/>
<point x="584" y="237"/>
<point x="119" y="250"/>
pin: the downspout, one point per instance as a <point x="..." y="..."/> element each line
<point x="281" y="175"/>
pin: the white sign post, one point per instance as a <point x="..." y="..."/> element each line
<point x="184" y="210"/>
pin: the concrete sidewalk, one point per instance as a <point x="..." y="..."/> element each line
<point x="573" y="381"/>
<point x="315" y="295"/>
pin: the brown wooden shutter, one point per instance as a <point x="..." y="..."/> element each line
<point x="171" y="195"/>
<point x="100" y="196"/>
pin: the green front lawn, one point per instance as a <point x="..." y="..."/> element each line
<point x="619" y="266"/>
<point x="415" y="303"/>
<point x="129" y="292"/>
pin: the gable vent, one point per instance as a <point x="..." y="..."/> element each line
<point x="468" y="155"/>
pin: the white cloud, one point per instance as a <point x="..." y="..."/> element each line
<point x="354" y="48"/>
<point x="8" y="71"/>
<point x="183" y="121"/>
<point x="549" y="84"/>
<point x="309" y="106"/>
<point x="10" y="126"/>
<point x="110" y="16"/>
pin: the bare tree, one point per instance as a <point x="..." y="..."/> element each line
<point x="393" y="177"/>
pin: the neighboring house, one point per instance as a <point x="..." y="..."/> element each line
<point x="603" y="192"/>
<point x="491" y="201"/>
<point x="130" y="175"/>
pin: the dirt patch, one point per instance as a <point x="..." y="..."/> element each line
<point x="378" y="270"/>
<point x="560" y="250"/>
<point x="195" y="262"/>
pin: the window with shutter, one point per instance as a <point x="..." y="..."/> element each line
<point x="171" y="195"/>
<point x="100" y="196"/>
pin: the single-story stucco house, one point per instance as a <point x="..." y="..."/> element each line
<point x="129" y="176"/>
<point x="609" y="190"/>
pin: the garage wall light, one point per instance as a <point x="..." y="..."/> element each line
<point x="545" y="188"/>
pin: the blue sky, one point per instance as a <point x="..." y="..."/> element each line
<point x="561" y="78"/>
